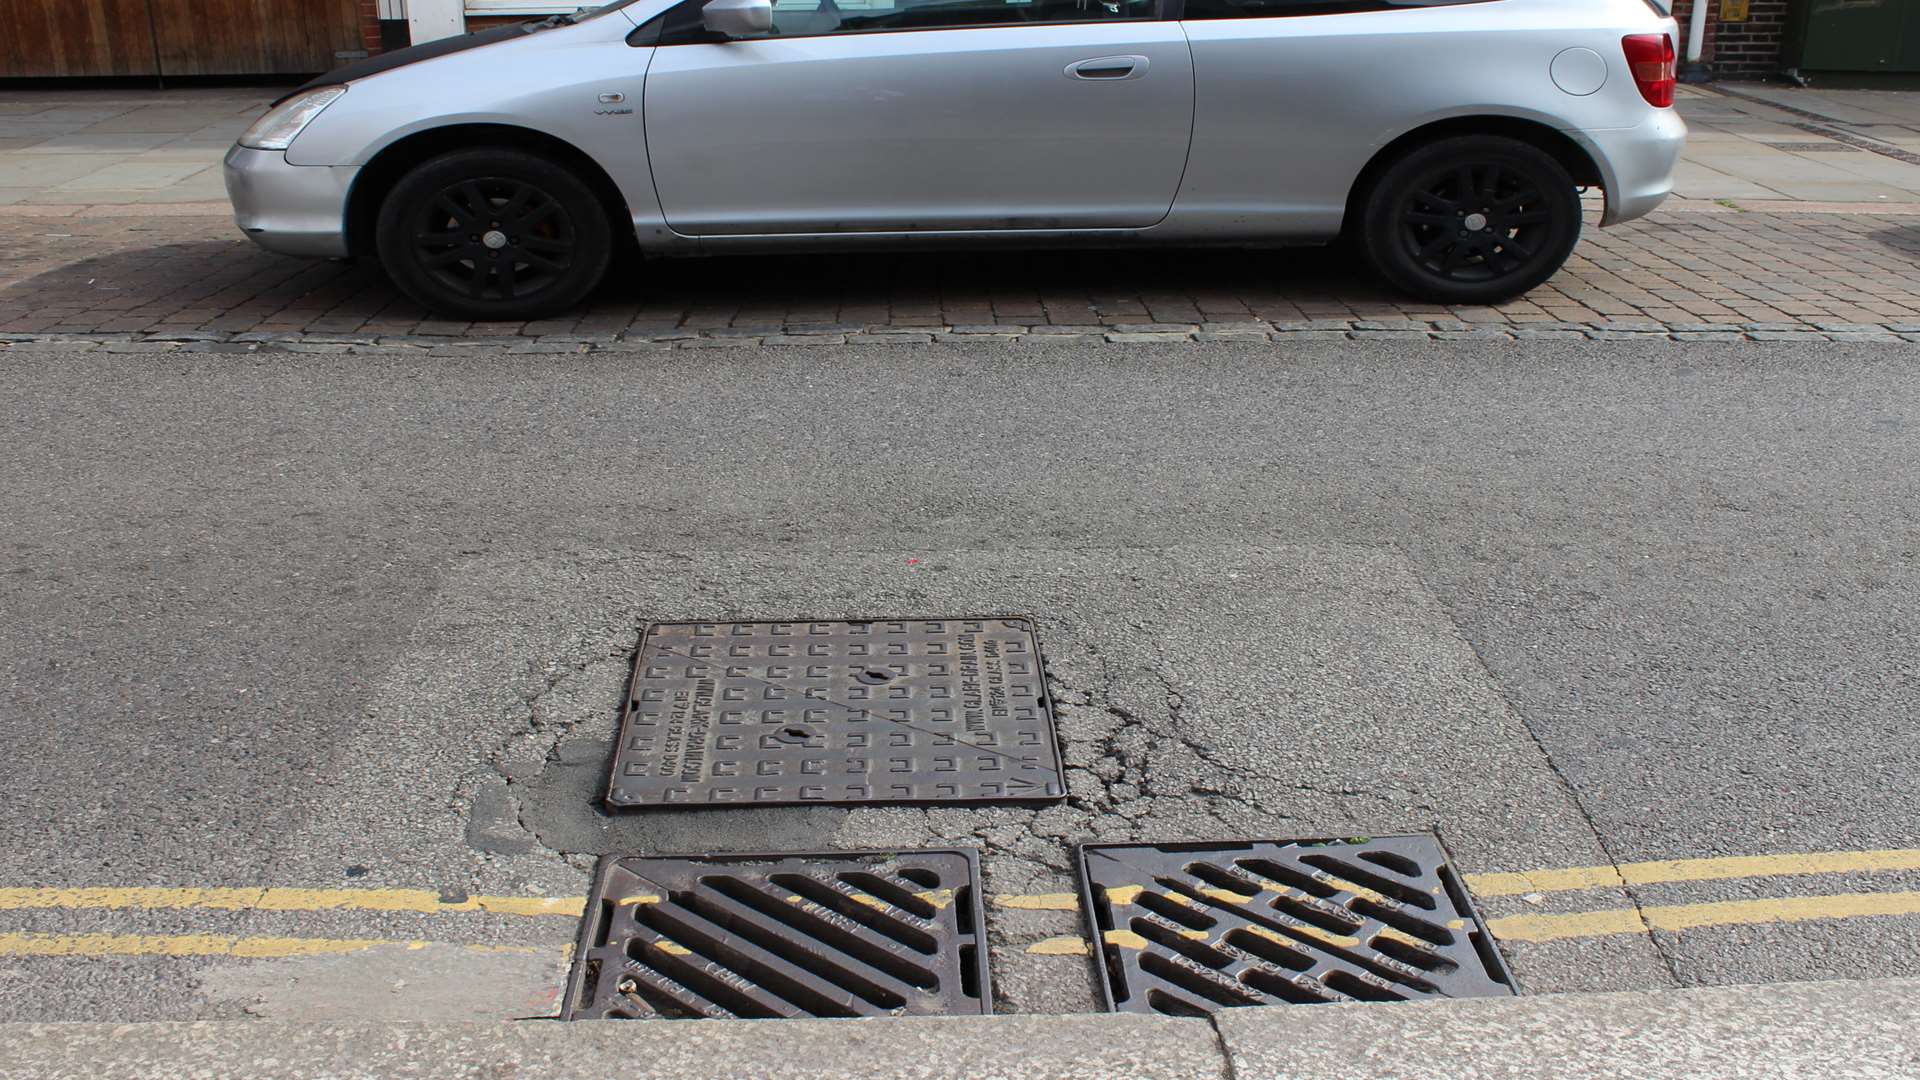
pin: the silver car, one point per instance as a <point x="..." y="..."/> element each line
<point x="496" y="175"/>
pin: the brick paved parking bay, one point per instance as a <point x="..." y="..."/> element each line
<point x="124" y="238"/>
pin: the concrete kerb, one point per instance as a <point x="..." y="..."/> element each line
<point x="203" y="341"/>
<point x="1834" y="1030"/>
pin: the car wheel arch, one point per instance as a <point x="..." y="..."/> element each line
<point x="381" y="172"/>
<point x="1573" y="157"/>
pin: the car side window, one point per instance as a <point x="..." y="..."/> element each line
<point x="682" y="25"/>
<point x="1273" y="9"/>
<point x="811" y="18"/>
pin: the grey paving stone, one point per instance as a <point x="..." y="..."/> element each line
<point x="1312" y="325"/>
<point x="1093" y="1047"/>
<point x="804" y="339"/>
<point x="1832" y="1030"/>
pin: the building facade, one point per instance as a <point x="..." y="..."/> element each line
<point x="191" y="38"/>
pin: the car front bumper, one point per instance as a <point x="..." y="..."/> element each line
<point x="1636" y="163"/>
<point x="291" y="209"/>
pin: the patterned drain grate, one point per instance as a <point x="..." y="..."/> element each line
<point x="756" y="713"/>
<point x="1188" y="929"/>
<point x="756" y="936"/>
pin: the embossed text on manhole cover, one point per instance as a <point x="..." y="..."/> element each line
<point x="896" y="710"/>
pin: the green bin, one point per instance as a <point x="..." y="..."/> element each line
<point x="1853" y="35"/>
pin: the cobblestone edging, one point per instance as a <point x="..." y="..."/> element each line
<point x="198" y="341"/>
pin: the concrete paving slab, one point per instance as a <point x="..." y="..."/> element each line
<point x="1695" y="180"/>
<point x="1831" y="1030"/>
<point x="44" y="171"/>
<point x="92" y="142"/>
<point x="917" y="1048"/>
<point x="135" y="175"/>
<point x="432" y="982"/>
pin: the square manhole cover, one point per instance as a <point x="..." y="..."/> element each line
<point x="1188" y="929"/>
<point x="771" y="713"/>
<point x="760" y="936"/>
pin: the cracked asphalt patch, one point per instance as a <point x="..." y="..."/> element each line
<point x="1202" y="693"/>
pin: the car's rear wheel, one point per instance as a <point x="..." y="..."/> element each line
<point x="493" y="234"/>
<point x="1474" y="219"/>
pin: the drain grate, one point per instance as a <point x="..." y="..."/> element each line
<point x="1814" y="147"/>
<point x="756" y="936"/>
<point x="759" y="713"/>
<point x="1188" y="929"/>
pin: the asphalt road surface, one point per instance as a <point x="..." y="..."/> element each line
<point x="335" y="622"/>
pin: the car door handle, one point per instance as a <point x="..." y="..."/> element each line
<point x="1108" y="68"/>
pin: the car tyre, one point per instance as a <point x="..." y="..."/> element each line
<point x="494" y="234"/>
<point x="1474" y="219"/>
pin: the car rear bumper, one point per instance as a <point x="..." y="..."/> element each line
<point x="1636" y="163"/>
<point x="291" y="209"/>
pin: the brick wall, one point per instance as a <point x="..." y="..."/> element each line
<point x="1748" y="49"/>
<point x="370" y="25"/>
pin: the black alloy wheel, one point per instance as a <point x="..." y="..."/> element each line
<point x="1471" y="220"/>
<point x="494" y="234"/>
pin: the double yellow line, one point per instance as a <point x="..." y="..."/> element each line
<point x="1527" y="928"/>
<point x="1671" y="917"/>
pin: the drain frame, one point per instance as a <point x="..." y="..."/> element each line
<point x="912" y="726"/>
<point x="839" y="982"/>
<point x="1312" y="948"/>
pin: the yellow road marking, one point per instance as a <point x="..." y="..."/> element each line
<point x="251" y="948"/>
<point x="421" y="901"/>
<point x="1063" y="945"/>
<point x="1586" y="924"/>
<point x="1786" y="909"/>
<point x="1671" y="870"/>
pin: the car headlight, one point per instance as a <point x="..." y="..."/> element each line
<point x="285" y="121"/>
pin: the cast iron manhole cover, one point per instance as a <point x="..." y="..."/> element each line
<point x="1188" y="929"/>
<point x="753" y="936"/>
<point x="768" y="713"/>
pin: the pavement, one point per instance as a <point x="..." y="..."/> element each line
<point x="1834" y="1030"/>
<point x="320" y="612"/>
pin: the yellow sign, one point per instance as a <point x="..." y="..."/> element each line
<point x="1733" y="10"/>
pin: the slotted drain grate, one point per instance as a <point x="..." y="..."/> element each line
<point x="758" y="713"/>
<point x="759" y="936"/>
<point x="1814" y="147"/>
<point x="1188" y="929"/>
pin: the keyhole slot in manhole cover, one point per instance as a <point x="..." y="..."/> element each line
<point x="874" y="675"/>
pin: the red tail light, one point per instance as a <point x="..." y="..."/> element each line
<point x="1650" y="58"/>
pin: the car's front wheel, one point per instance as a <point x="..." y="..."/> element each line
<point x="1475" y="219"/>
<point x="493" y="234"/>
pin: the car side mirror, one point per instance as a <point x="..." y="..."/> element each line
<point x="738" y="18"/>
